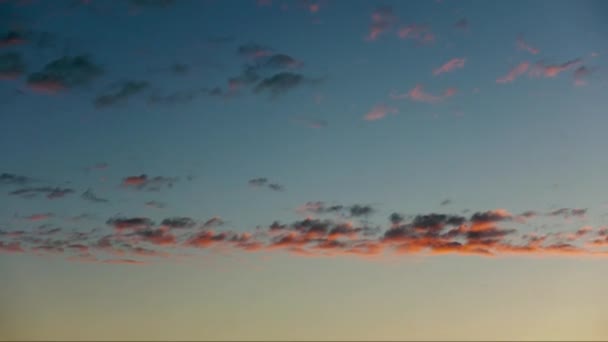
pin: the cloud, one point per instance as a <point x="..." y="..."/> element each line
<point x="155" y="204"/>
<point x="279" y="83"/>
<point x="360" y="210"/>
<point x="258" y="181"/>
<point x="12" y="38"/>
<point x="65" y="72"/>
<point x="517" y="71"/>
<point x="160" y="236"/>
<point x="567" y="212"/>
<point x="321" y="208"/>
<point x="10" y="247"/>
<point x="13" y="179"/>
<point x="51" y="193"/>
<point x="263" y="182"/>
<point x="125" y="91"/>
<point x="215" y="221"/>
<point x="254" y="51"/>
<point x="134" y="223"/>
<point x="418" y="32"/>
<point x="379" y="112"/>
<point x="522" y="45"/>
<point x="382" y="21"/>
<point x="553" y="70"/>
<point x="90" y="196"/>
<point x="581" y="74"/>
<point x="178" y="222"/>
<point x="281" y="61"/>
<point x="11" y="66"/>
<point x="143" y="182"/>
<point x="39" y="217"/>
<point x="419" y="95"/>
<point x="451" y="65"/>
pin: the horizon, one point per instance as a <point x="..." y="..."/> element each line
<point x="228" y="170"/>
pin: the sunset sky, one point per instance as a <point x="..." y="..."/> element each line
<point x="303" y="170"/>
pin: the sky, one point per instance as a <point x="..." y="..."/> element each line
<point x="303" y="170"/>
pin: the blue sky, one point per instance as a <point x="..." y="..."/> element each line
<point x="162" y="139"/>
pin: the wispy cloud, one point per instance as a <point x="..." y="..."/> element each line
<point x="523" y="45"/>
<point x="514" y="73"/>
<point x="144" y="182"/>
<point x="418" y="94"/>
<point x="121" y="94"/>
<point x="379" y="112"/>
<point x="264" y="182"/>
<point x="50" y="192"/>
<point x="383" y="20"/>
<point x="449" y="66"/>
<point x="65" y="72"/>
<point x="553" y="70"/>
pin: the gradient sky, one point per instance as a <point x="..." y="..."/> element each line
<point x="303" y="170"/>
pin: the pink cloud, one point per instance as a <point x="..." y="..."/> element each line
<point x="418" y="94"/>
<point x="39" y="217"/>
<point x="451" y="65"/>
<point x="553" y="70"/>
<point x="421" y="33"/>
<point x="382" y="20"/>
<point x="379" y="112"/>
<point x="10" y="247"/>
<point x="522" y="45"/>
<point x="519" y="70"/>
<point x="46" y="87"/>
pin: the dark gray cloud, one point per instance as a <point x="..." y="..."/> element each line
<point x="121" y="94"/>
<point x="254" y="50"/>
<point x="213" y="222"/>
<point x="446" y="202"/>
<point x="319" y="208"/>
<point x="360" y="210"/>
<point x="90" y="196"/>
<point x="178" y="222"/>
<point x="275" y="187"/>
<point x="11" y="65"/>
<point x="13" y="179"/>
<point x="281" y="61"/>
<point x="264" y="182"/>
<point x="66" y="72"/>
<point x="133" y="223"/>
<point x="567" y="212"/>
<point x="279" y="83"/>
<point x="50" y="192"/>
<point x="258" y="181"/>
<point x="396" y="218"/>
<point x="490" y="216"/>
<point x="155" y="204"/>
<point x="12" y="37"/>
